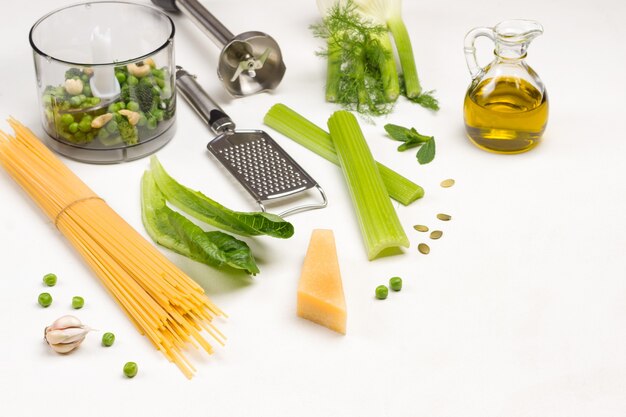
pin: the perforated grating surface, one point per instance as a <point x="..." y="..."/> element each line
<point x="260" y="165"/>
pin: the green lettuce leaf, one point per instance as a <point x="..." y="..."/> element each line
<point x="174" y="231"/>
<point x="205" y="209"/>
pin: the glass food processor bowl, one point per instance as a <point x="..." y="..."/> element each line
<point x="105" y="80"/>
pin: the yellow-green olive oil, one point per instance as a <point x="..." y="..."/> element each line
<point x="505" y="115"/>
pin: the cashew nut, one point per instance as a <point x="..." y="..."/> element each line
<point x="101" y="120"/>
<point x="139" y="69"/>
<point x="73" y="86"/>
<point x="150" y="61"/>
<point x="132" y="116"/>
<point x="88" y="71"/>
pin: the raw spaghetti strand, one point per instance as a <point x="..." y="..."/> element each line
<point x="162" y="302"/>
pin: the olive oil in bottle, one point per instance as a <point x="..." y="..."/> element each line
<point x="506" y="106"/>
<point x="505" y="115"/>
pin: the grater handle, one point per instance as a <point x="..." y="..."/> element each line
<point x="202" y="103"/>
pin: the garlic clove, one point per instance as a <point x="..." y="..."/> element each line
<point x="65" y="334"/>
<point x="65" y="322"/>
<point x="69" y="335"/>
<point x="66" y="347"/>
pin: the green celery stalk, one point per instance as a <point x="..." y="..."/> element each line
<point x="296" y="127"/>
<point x="380" y="226"/>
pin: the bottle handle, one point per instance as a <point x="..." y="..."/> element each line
<point x="470" y="49"/>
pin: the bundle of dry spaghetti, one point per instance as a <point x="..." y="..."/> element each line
<point x="164" y="303"/>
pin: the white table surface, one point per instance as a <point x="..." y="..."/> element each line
<point x="519" y="310"/>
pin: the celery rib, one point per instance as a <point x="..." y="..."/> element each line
<point x="296" y="127"/>
<point x="379" y="223"/>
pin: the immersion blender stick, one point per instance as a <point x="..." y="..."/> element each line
<point x="249" y="63"/>
<point x="209" y="24"/>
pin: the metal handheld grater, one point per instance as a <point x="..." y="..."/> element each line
<point x="264" y="169"/>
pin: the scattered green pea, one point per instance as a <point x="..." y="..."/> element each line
<point x="158" y="114"/>
<point x="75" y="101"/>
<point x="130" y="369"/>
<point x="78" y="302"/>
<point x="132" y="80"/>
<point x="147" y="81"/>
<point x="45" y="299"/>
<point x="87" y="90"/>
<point x="395" y="283"/>
<point x="84" y="126"/>
<point x="132" y="106"/>
<point x="152" y="123"/>
<point x="67" y="119"/>
<point x="73" y="128"/>
<point x="121" y="77"/>
<point x="382" y="292"/>
<point x="108" y="339"/>
<point x="50" y="280"/>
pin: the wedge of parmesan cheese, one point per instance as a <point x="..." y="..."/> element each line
<point x="320" y="291"/>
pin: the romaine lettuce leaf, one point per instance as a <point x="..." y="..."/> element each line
<point x="174" y="231"/>
<point x="205" y="209"/>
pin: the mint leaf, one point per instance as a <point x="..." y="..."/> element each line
<point x="398" y="133"/>
<point x="426" y="152"/>
<point x="411" y="143"/>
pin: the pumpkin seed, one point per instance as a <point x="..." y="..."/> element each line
<point x="447" y="183"/>
<point x="420" y="228"/>
<point x="423" y="248"/>
<point x="436" y="234"/>
<point x="444" y="217"/>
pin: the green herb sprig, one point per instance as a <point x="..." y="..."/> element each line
<point x="411" y="138"/>
<point x="362" y="74"/>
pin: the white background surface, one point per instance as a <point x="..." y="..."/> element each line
<point x="519" y="310"/>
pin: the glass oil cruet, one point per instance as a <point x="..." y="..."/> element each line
<point x="506" y="105"/>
